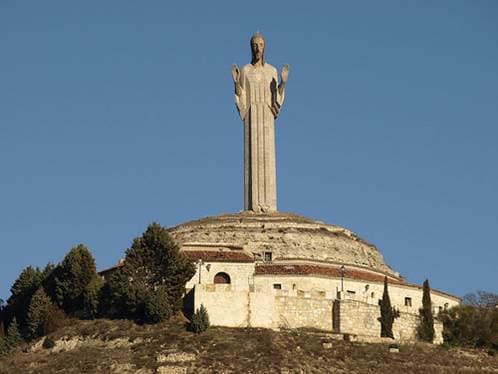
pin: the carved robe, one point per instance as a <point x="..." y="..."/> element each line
<point x="259" y="103"/>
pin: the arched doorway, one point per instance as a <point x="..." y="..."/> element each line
<point x="222" y="278"/>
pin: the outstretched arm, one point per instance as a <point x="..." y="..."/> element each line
<point x="284" y="75"/>
<point x="236" y="79"/>
<point x="240" y="95"/>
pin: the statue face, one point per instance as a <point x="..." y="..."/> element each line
<point x="257" y="48"/>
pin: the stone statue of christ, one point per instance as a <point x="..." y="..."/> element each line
<point x="259" y="97"/>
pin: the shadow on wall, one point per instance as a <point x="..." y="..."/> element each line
<point x="188" y="304"/>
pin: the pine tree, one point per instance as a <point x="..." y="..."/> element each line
<point x="2" y="332"/>
<point x="200" y="320"/>
<point x="76" y="283"/>
<point x="22" y="290"/>
<point x="13" y="336"/>
<point x="425" y="329"/>
<point x="150" y="285"/>
<point x="387" y="314"/>
<point x="38" y="313"/>
<point x="3" y="347"/>
<point x="2" y="317"/>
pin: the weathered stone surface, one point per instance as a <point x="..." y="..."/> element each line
<point x="176" y="357"/>
<point x="296" y="312"/>
<point x="172" y="370"/>
<point x="362" y="319"/>
<point x="287" y="236"/>
<point x="65" y="344"/>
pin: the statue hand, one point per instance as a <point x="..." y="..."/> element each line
<point x="235" y="73"/>
<point x="285" y="73"/>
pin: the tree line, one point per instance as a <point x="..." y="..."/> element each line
<point x="147" y="288"/>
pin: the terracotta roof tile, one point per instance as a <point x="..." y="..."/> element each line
<point x="291" y="269"/>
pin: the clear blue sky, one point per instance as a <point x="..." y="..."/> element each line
<point x="114" y="114"/>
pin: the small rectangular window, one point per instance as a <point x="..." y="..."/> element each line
<point x="351" y="292"/>
<point x="277" y="286"/>
<point x="267" y="256"/>
<point x="408" y="301"/>
<point x="380" y="301"/>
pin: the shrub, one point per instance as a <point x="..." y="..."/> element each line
<point x="200" y="320"/>
<point x="425" y="329"/>
<point x="38" y="312"/>
<point x="56" y="319"/>
<point x="471" y="326"/>
<point x="387" y="314"/>
<point x="150" y="285"/>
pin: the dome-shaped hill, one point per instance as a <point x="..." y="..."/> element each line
<point x="288" y="236"/>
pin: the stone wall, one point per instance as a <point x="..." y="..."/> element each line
<point x="241" y="274"/>
<point x="359" y="318"/>
<point x="296" y="312"/>
<point x="231" y="307"/>
<point x="405" y="328"/>
<point x="359" y="290"/>
<point x="253" y="308"/>
<point x="257" y="306"/>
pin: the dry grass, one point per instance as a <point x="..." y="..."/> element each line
<point x="225" y="350"/>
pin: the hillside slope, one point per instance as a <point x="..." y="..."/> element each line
<point x="104" y="346"/>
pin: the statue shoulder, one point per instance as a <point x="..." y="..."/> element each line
<point x="271" y="69"/>
<point x="246" y="67"/>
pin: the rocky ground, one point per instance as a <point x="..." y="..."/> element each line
<point x="104" y="346"/>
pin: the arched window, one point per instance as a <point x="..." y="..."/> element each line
<point x="222" y="278"/>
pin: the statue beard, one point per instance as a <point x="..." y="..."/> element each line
<point x="255" y="59"/>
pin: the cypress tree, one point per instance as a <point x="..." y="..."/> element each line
<point x="425" y="329"/>
<point x="387" y="314"/>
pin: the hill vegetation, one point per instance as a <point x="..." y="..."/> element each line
<point x="122" y="346"/>
<point x="147" y="289"/>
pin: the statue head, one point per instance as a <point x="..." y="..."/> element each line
<point x="258" y="48"/>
